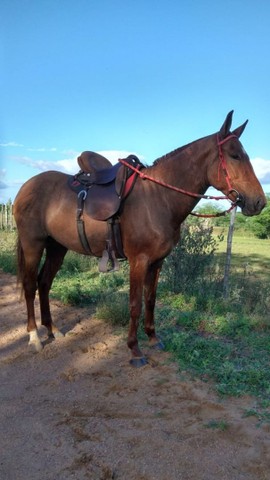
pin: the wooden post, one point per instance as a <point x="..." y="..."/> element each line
<point x="228" y="255"/>
<point x="2" y="217"/>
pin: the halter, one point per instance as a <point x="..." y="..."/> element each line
<point x="222" y="166"/>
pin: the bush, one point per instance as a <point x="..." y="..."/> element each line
<point x="191" y="263"/>
<point x="8" y="260"/>
<point x="115" y="309"/>
<point x="260" y="224"/>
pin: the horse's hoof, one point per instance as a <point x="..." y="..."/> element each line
<point x="158" y="346"/>
<point x="58" y="335"/>
<point x="35" y="347"/>
<point x="35" y="342"/>
<point x="138" y="362"/>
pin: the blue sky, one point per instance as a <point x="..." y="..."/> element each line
<point x="128" y="76"/>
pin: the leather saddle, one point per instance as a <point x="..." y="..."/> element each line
<point x="100" y="188"/>
<point x="90" y="162"/>
<point x="101" y="184"/>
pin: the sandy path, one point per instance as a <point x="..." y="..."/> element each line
<point x="79" y="411"/>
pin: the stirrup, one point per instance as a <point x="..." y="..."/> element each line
<point x="108" y="256"/>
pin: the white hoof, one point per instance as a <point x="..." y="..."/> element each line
<point x="34" y="341"/>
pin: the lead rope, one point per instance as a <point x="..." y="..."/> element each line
<point x="222" y="165"/>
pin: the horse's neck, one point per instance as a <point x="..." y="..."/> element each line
<point x="185" y="168"/>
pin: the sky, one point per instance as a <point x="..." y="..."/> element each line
<point x="120" y="77"/>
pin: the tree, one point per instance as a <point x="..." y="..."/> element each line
<point x="260" y="225"/>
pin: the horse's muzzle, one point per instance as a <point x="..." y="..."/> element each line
<point x="250" y="206"/>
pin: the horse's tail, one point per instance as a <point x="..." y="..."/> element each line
<point x="20" y="264"/>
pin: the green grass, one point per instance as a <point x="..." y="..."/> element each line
<point x="220" y="425"/>
<point x="250" y="255"/>
<point x="223" y="342"/>
<point x="80" y="283"/>
<point x="7" y="251"/>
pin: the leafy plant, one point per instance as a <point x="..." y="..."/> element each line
<point x="260" y="225"/>
<point x="8" y="251"/>
<point x="221" y="425"/>
<point x="114" y="309"/>
<point x="225" y="342"/>
<point x="192" y="259"/>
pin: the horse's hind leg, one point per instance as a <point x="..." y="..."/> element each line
<point x="29" y="256"/>
<point x="150" y="288"/>
<point x="138" y="268"/>
<point x="55" y="254"/>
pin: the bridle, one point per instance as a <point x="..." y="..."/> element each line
<point x="222" y="166"/>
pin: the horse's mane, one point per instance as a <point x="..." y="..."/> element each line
<point x="178" y="150"/>
<point x="165" y="157"/>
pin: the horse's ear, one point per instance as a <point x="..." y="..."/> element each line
<point x="238" y="131"/>
<point x="225" y="129"/>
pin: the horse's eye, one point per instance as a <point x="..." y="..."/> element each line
<point x="235" y="156"/>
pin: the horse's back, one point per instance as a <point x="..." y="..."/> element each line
<point x="39" y="189"/>
<point x="41" y="183"/>
<point x="37" y="195"/>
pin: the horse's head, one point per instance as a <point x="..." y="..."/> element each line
<point x="232" y="172"/>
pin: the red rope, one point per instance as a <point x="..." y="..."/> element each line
<point x="222" y="164"/>
<point x="167" y="185"/>
<point x="212" y="215"/>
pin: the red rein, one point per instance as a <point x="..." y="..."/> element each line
<point x="222" y="165"/>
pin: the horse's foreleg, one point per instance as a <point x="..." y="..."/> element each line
<point x="137" y="275"/>
<point x="55" y="254"/>
<point x="150" y="288"/>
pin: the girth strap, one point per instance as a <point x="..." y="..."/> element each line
<point x="80" y="223"/>
<point x="113" y="241"/>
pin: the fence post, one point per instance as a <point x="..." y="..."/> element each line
<point x="6" y="217"/>
<point x="228" y="255"/>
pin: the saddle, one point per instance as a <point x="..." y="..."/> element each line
<point x="90" y="162"/>
<point x="101" y="188"/>
<point x="101" y="184"/>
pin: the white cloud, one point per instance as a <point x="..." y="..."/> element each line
<point x="69" y="165"/>
<point x="41" y="165"/>
<point x="262" y="169"/>
<point x="3" y="185"/>
<point x="114" y="155"/>
<point x="11" y="144"/>
<point x="2" y="172"/>
<point x="70" y="152"/>
<point x="42" y="149"/>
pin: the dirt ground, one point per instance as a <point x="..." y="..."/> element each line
<point x="77" y="410"/>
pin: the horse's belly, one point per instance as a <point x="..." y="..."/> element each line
<point x="63" y="227"/>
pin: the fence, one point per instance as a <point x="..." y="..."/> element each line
<point x="7" y="221"/>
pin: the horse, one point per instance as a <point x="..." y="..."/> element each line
<point x="163" y="195"/>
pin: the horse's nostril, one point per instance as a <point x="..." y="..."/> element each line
<point x="260" y="204"/>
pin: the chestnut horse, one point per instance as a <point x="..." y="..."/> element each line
<point x="45" y="213"/>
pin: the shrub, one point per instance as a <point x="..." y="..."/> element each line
<point x="114" y="309"/>
<point x="8" y="261"/>
<point x="192" y="260"/>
